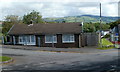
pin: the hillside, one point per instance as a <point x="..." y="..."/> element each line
<point x="84" y="18"/>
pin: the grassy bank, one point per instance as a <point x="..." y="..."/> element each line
<point x="106" y="44"/>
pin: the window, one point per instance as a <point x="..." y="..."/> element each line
<point x="20" y="39"/>
<point x="28" y="39"/>
<point x="68" y="38"/>
<point x="32" y="39"/>
<point x="50" y="39"/>
<point x="24" y="39"/>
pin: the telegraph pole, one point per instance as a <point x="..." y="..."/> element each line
<point x="75" y="19"/>
<point x="100" y="27"/>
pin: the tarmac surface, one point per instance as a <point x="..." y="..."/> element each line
<point x="30" y="58"/>
<point x="91" y="49"/>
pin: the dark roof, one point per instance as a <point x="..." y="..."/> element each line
<point x="47" y="28"/>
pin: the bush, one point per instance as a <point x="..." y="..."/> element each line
<point x="106" y="36"/>
<point x="119" y="40"/>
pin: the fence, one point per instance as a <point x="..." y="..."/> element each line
<point x="90" y="39"/>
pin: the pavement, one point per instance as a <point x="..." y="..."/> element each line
<point x="91" y="49"/>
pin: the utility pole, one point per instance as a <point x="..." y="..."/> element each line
<point x="100" y="27"/>
<point x="82" y="27"/>
<point x="75" y="19"/>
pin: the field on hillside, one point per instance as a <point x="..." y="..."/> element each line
<point x="82" y="18"/>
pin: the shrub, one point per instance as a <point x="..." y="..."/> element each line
<point x="119" y="40"/>
<point x="106" y="36"/>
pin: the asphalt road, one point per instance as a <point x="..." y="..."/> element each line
<point x="36" y="60"/>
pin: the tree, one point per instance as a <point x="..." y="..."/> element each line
<point x="93" y="27"/>
<point x="6" y="27"/>
<point x="113" y="24"/>
<point x="12" y="18"/>
<point x="34" y="16"/>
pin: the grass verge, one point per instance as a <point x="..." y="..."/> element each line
<point x="105" y="48"/>
<point x="4" y="58"/>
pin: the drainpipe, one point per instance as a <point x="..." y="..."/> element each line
<point x="14" y="40"/>
<point x="26" y="40"/>
<point x="3" y="39"/>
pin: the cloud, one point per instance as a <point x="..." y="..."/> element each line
<point x="57" y="9"/>
<point x="110" y="9"/>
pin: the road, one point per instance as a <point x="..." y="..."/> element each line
<point x="36" y="60"/>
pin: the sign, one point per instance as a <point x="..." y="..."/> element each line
<point x="116" y="34"/>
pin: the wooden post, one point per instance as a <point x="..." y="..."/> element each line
<point x="39" y="41"/>
<point x="53" y="41"/>
<point x="79" y="41"/>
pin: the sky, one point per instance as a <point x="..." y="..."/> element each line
<point x="58" y="8"/>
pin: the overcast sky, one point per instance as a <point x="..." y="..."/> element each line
<point x="53" y="8"/>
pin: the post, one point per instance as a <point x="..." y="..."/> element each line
<point x="100" y="27"/>
<point x="82" y="27"/>
<point x="75" y="19"/>
<point x="26" y="40"/>
<point x="39" y="41"/>
<point x="79" y="41"/>
<point x="53" y="41"/>
<point x="83" y="43"/>
<point x="116" y="40"/>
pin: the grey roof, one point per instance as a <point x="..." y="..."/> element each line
<point x="46" y="28"/>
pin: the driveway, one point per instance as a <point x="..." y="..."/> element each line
<point x="36" y="60"/>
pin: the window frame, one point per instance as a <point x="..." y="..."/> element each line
<point x="70" y="40"/>
<point x="20" y="39"/>
<point x="53" y="41"/>
<point x="31" y="38"/>
<point x="26" y="39"/>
